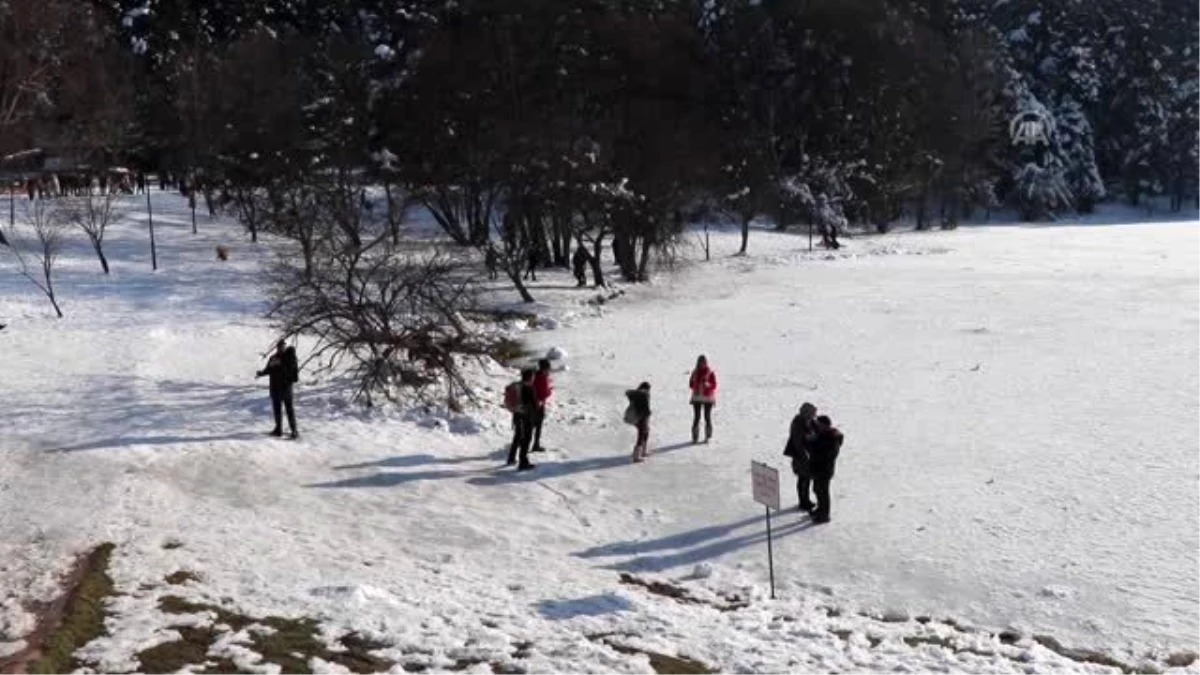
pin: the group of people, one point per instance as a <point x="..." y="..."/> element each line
<point x="579" y="264"/>
<point x="813" y="442"/>
<point x="526" y="400"/>
<point x="702" y="386"/>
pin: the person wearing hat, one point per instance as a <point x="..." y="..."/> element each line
<point x="823" y="448"/>
<point x="803" y="426"/>
<point x="282" y="371"/>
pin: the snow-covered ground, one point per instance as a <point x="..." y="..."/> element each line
<point x="1020" y="406"/>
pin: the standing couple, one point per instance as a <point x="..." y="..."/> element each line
<point x="813" y="444"/>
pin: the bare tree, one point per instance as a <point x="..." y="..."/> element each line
<point x="392" y="318"/>
<point x="93" y="213"/>
<point x="38" y="245"/>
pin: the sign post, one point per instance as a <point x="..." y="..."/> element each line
<point x="765" y="482"/>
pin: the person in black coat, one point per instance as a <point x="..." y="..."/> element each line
<point x="823" y="449"/>
<point x="282" y="371"/>
<point x="523" y="421"/>
<point x="803" y="426"/>
<point x="638" y="414"/>
<point x="579" y="262"/>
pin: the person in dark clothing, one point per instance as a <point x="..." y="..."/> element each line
<point x="489" y="259"/>
<point x="523" y="419"/>
<point x="823" y="448"/>
<point x="803" y="426"/>
<point x="579" y="263"/>
<point x="534" y="260"/>
<point x="638" y="414"/>
<point x="282" y="371"/>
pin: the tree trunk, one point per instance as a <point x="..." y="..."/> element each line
<point x="100" y="254"/>
<point x="515" y="275"/>
<point x="597" y="265"/>
<point x="626" y="256"/>
<point x="46" y="271"/>
<point x="393" y="221"/>
<point x="645" y="258"/>
<point x="442" y="208"/>
<point x="745" y="234"/>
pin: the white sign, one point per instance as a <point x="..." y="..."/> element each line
<point x="766" y="484"/>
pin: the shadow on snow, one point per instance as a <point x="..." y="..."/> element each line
<point x="693" y="546"/>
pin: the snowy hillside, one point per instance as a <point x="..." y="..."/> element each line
<point x="1020" y="406"/>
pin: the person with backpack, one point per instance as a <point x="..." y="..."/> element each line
<point x="521" y="400"/>
<point x="282" y="371"/>
<point x="638" y="415"/>
<point x="703" y="385"/>
<point x="824" y="445"/>
<point x="543" y="389"/>
<point x="803" y="426"/>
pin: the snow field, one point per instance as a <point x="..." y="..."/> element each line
<point x="1020" y="406"/>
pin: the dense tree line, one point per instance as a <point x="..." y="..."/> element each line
<point x="525" y="126"/>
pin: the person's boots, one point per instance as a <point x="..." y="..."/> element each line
<point x="707" y="432"/>
<point x="695" y="433"/>
<point x="277" y="432"/>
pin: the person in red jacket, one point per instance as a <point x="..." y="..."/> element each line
<point x="703" y="384"/>
<point x="543" y="389"/>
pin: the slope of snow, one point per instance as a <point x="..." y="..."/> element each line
<point x="1020" y="406"/>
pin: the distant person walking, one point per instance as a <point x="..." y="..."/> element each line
<point x="489" y="259"/>
<point x="534" y="261"/>
<point x="638" y="415"/>
<point x="543" y="389"/>
<point x="579" y="263"/>
<point x="703" y="385"/>
<point x="521" y="400"/>
<point x="283" y="371"/>
<point x="803" y="427"/>
<point x="823" y="449"/>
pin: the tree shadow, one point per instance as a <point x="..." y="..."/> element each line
<point x="677" y="540"/>
<point x="592" y="605"/>
<point x="682" y="540"/>
<point x="391" y="479"/>
<point x="129" y="441"/>
<point x="121" y="411"/>
<point x="407" y="461"/>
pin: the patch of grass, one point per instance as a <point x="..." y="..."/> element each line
<point x="1182" y="659"/>
<point x="83" y="615"/>
<point x="681" y="594"/>
<point x="1083" y="655"/>
<point x="181" y="577"/>
<point x="290" y="644"/>
<point x="508" y="350"/>
<point x="173" y="604"/>
<point x="172" y="544"/>
<point x="663" y="663"/>
<point x="190" y="649"/>
<point x="915" y="640"/>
